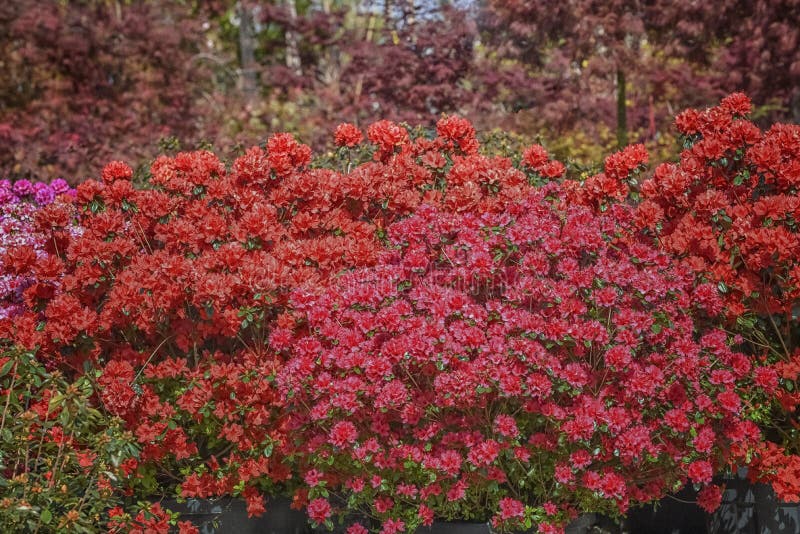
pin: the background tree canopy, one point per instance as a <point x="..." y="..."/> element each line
<point x="85" y="81"/>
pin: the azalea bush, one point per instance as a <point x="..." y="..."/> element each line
<point x="520" y="367"/>
<point x="729" y="207"/>
<point x="174" y="289"/>
<point x="413" y="328"/>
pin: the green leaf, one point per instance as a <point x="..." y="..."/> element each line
<point x="56" y="401"/>
<point x="656" y="328"/>
<point x="46" y="516"/>
<point x="63" y="418"/>
<point x="6" y="367"/>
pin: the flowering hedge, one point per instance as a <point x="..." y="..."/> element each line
<point x="523" y="365"/>
<point x="464" y="328"/>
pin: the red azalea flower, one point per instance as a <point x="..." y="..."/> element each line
<point x="709" y="498"/>
<point x="116" y="170"/>
<point x="348" y="135"/>
<point x="319" y="510"/>
<point x="511" y="508"/>
<point x="343" y="434"/>
<point x="700" y="472"/>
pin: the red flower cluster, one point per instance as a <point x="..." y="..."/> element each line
<point x="21" y="243"/>
<point x="730" y="204"/>
<point x="348" y="135"/>
<point x="615" y="183"/>
<point x="537" y="159"/>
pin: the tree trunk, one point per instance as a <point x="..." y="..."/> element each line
<point x="330" y="67"/>
<point x="293" y="41"/>
<point x="387" y="11"/>
<point x="359" y="85"/>
<point x="247" y="46"/>
<point x="410" y="13"/>
<point x="795" y="106"/>
<point x="622" y="112"/>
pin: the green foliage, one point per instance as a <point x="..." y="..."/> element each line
<point x="62" y="461"/>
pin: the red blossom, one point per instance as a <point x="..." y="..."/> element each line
<point x="700" y="472"/>
<point x="458" y="131"/>
<point x="511" y="508"/>
<point x="255" y="502"/>
<point x="393" y="526"/>
<point x="343" y="433"/>
<point x="348" y="135"/>
<point x="709" y="498"/>
<point x="535" y="156"/>
<point x="506" y="426"/>
<point x="285" y="154"/>
<point x="319" y="510"/>
<point x="386" y="135"/>
<point x="116" y="170"/>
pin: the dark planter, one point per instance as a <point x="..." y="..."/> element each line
<point x="752" y="509"/>
<point x="456" y="527"/>
<point x="582" y="525"/>
<point x="342" y="522"/>
<point x="677" y="514"/>
<point x="341" y="528"/>
<point x="229" y="516"/>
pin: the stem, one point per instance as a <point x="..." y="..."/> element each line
<point x="144" y="237"/>
<point x="674" y="498"/>
<point x="622" y="112"/>
<point x="135" y="378"/>
<point x="778" y="332"/>
<point x="82" y="502"/>
<point x="55" y="245"/>
<point x="8" y="397"/>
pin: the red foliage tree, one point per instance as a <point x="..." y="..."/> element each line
<point x="86" y="82"/>
<point x="580" y="62"/>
